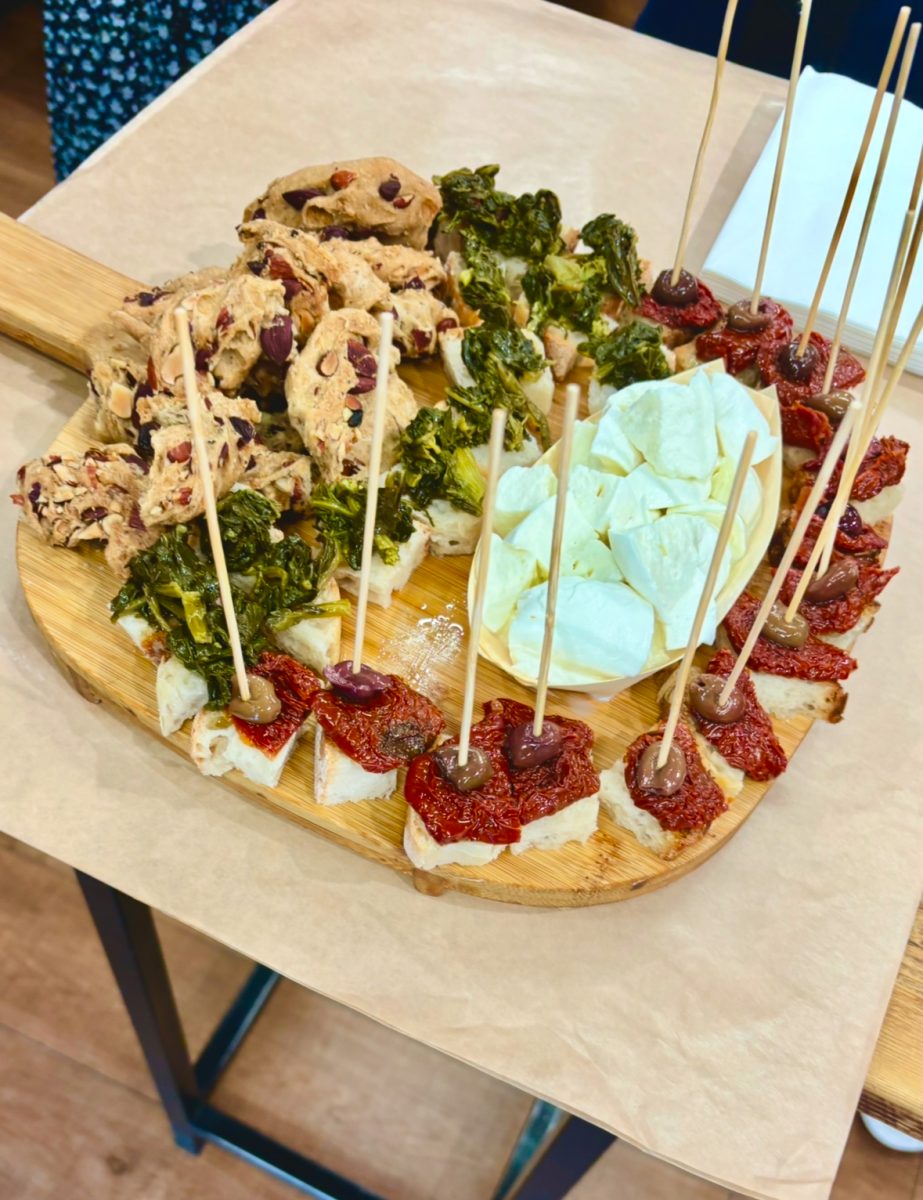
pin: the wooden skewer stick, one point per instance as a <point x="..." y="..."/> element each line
<point x="901" y="365"/>
<point x="901" y="272"/>
<point x="822" y="550"/>
<point x="720" y="59"/>
<point x="900" y="87"/>
<point x="494" y="451"/>
<point x="565" y="446"/>
<point x="801" y="525"/>
<point x="200" y="444"/>
<point x="386" y="327"/>
<point x="897" y="36"/>
<point x="905" y="260"/>
<point x="797" y="56"/>
<point x="695" y="634"/>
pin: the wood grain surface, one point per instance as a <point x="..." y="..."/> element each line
<point x="68" y="594"/>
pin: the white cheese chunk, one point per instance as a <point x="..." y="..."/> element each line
<point x="662" y="491"/>
<point x="751" y="498"/>
<point x="629" y="505"/>
<point x="535" y="532"/>
<point x="736" y="414"/>
<point x="666" y="563"/>
<point x="713" y="512"/>
<point x="519" y="491"/>
<point x="601" y="629"/>
<point x="612" y="450"/>
<point x="582" y="445"/>
<point x="673" y="427"/>
<point x="512" y="571"/>
<point x="592" y="492"/>
<point x="591" y="559"/>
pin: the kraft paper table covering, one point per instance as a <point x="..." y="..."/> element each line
<point x="724" y="1023"/>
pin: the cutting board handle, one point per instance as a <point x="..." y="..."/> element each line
<point x="52" y="297"/>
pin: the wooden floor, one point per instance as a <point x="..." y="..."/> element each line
<point x="78" y="1116"/>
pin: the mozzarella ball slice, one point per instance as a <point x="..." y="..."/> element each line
<point x="602" y="630"/>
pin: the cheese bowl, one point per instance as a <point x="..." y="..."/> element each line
<point x="582" y="677"/>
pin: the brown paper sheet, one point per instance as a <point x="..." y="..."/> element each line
<point x="724" y="1023"/>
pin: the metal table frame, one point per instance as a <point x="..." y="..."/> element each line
<point x="553" y="1152"/>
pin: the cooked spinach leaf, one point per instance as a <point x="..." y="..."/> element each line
<point x="526" y="226"/>
<point x="339" y="516"/>
<point x="628" y="354"/>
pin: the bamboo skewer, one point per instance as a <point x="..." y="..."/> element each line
<point x="906" y="259"/>
<point x="386" y="326"/>
<point x="200" y="444"/>
<point x="817" y="491"/>
<point x="899" y="89"/>
<point x="495" y="450"/>
<point x="872" y="396"/>
<point x="720" y="59"/>
<point x="870" y="406"/>
<point x="901" y="365"/>
<point x="897" y="36"/>
<point x="797" y="56"/>
<point x="565" y="446"/>
<point x="724" y="533"/>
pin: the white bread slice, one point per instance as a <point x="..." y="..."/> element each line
<point x="425" y="852"/>
<point x="729" y="779"/>
<point x="315" y="641"/>
<point x="181" y="693"/>
<point x="383" y="580"/>
<point x="528" y="453"/>
<point x="453" y="531"/>
<point x="339" y="780"/>
<point x="846" y="641"/>
<point x="617" y="801"/>
<point x="880" y="507"/>
<point x="685" y="356"/>
<point x="450" y="347"/>
<point x="783" y="696"/>
<point x="574" y="823"/>
<point x="217" y="748"/>
<point x="144" y="637"/>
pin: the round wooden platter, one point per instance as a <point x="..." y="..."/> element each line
<point x="68" y="593"/>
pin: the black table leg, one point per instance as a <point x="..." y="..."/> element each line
<point x="569" y="1147"/>
<point x="553" y="1152"/>
<point x="126" y="930"/>
<point x="129" y="937"/>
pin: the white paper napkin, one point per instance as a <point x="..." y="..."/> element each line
<point x="827" y="127"/>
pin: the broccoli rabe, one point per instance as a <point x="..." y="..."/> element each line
<point x="482" y="286"/>
<point x="526" y="226"/>
<point x="627" y="355"/>
<point x="339" y="516"/>
<point x="437" y="462"/>
<point x="173" y="586"/>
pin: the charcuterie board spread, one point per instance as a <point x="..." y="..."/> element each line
<point x="707" y="448"/>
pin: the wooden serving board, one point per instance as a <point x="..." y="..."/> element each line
<point x="68" y="594"/>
